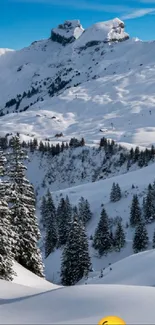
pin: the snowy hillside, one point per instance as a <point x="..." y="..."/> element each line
<point x="76" y="305"/>
<point x="137" y="270"/>
<point x="98" y="193"/>
<point x="110" y="86"/>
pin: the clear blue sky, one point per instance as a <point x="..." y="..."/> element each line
<point x="23" y="21"/>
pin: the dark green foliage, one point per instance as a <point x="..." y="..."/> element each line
<point x="64" y="221"/>
<point x="115" y="194"/>
<point x="119" y="238"/>
<point x="22" y="205"/>
<point x="135" y="211"/>
<point x="75" y="257"/>
<point x="153" y="241"/>
<point x="149" y="204"/>
<point x="85" y="213"/>
<point x="50" y="225"/>
<point x="140" y="240"/>
<point x="102" y="240"/>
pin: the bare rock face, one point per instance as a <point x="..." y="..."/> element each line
<point x="68" y="32"/>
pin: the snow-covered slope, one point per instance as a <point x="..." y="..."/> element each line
<point x="98" y="193"/>
<point x="26" y="278"/>
<point x="137" y="269"/>
<point x="76" y="305"/>
<point x="110" y="86"/>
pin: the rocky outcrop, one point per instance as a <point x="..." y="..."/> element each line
<point x="67" y="33"/>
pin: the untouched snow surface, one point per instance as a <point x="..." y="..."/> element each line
<point x="29" y="279"/>
<point x="137" y="270"/>
<point x="76" y="305"/>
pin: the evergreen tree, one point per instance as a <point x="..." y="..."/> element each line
<point x="153" y="242"/>
<point x="118" y="194"/>
<point x="140" y="240"/>
<point x="102" y="240"/>
<point x="6" y="256"/>
<point x="119" y="236"/>
<point x="23" y="219"/>
<point x="135" y="211"/>
<point x="149" y="207"/>
<point x="64" y="221"/>
<point x="68" y="207"/>
<point x="113" y="193"/>
<point x="85" y="213"/>
<point x="43" y="211"/>
<point x="51" y="235"/>
<point x="75" y="257"/>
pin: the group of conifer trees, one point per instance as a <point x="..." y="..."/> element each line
<point x="19" y="232"/>
<point x="141" y="216"/>
<point x="64" y="227"/>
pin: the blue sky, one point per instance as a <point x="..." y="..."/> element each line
<point x="23" y="21"/>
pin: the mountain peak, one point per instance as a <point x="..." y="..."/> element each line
<point x="108" y="31"/>
<point x="67" y="32"/>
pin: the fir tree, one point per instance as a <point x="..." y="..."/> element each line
<point x="23" y="219"/>
<point x="43" y="211"/>
<point x="64" y="221"/>
<point x="102" y="240"/>
<point x="149" y="207"/>
<point x="75" y="257"/>
<point x="140" y="240"/>
<point x="119" y="236"/>
<point x="153" y="242"/>
<point x="113" y="193"/>
<point x="51" y="235"/>
<point x="118" y="194"/>
<point x="85" y="213"/>
<point x="6" y="256"/>
<point x="135" y="211"/>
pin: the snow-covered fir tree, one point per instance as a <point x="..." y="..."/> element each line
<point x="135" y="211"/>
<point x="43" y="210"/>
<point x="149" y="206"/>
<point x="51" y="231"/>
<point x="85" y="213"/>
<point x="75" y="257"/>
<point x="23" y="219"/>
<point x="153" y="241"/>
<point x="119" y="237"/>
<point x="6" y="256"/>
<point x="141" y="239"/>
<point x="102" y="240"/>
<point x="63" y="221"/>
<point x="115" y="194"/>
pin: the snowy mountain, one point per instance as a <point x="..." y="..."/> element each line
<point x="89" y="84"/>
<point x="85" y="87"/>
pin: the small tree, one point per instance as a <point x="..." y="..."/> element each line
<point x="63" y="221"/>
<point x="75" y="257"/>
<point x="113" y="193"/>
<point x="85" y="213"/>
<point x="140" y="241"/>
<point x="102" y="240"/>
<point x="119" y="236"/>
<point x="135" y="211"/>
<point x="153" y="243"/>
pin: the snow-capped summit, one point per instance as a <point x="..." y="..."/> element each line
<point x="67" y="32"/>
<point x="108" y="31"/>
